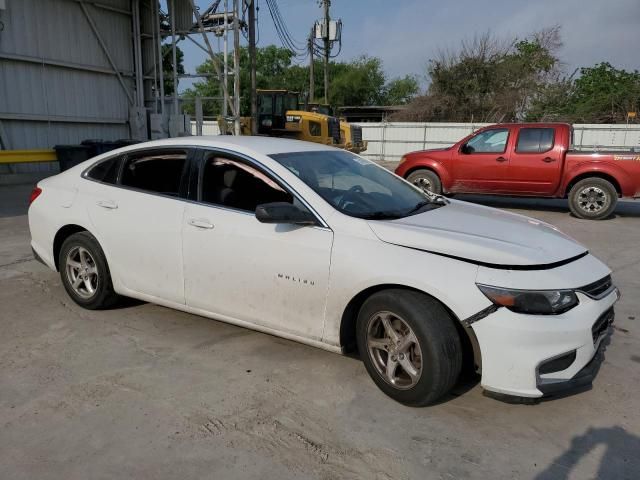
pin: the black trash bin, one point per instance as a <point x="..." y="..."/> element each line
<point x="124" y="142"/>
<point x="98" y="147"/>
<point x="71" y="155"/>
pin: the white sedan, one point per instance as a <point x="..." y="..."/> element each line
<point x="319" y="245"/>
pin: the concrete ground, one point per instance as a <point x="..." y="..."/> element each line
<point x="148" y="392"/>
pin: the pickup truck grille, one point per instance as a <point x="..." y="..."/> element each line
<point x="597" y="289"/>
<point x="356" y="134"/>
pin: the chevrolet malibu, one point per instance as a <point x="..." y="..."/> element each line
<point x="321" y="246"/>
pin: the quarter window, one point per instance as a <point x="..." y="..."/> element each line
<point x="158" y="171"/>
<point x="535" y="140"/>
<point x="234" y="184"/>
<point x="489" y="141"/>
<point x="105" y="171"/>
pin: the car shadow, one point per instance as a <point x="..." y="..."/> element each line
<point x="620" y="459"/>
<point x="625" y="208"/>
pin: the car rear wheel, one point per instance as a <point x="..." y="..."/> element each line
<point x="426" y="180"/>
<point x="84" y="272"/>
<point x="593" y="198"/>
<point x="409" y="345"/>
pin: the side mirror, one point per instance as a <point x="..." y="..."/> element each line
<point x="465" y="149"/>
<point x="282" y="212"/>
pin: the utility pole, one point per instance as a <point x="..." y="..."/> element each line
<point x="236" y="67"/>
<point x="252" y="65"/>
<point x="327" y="50"/>
<point x="225" y="74"/>
<point x="312" y="80"/>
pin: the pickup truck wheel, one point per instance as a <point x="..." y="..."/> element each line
<point x="409" y="345"/>
<point x="426" y="180"/>
<point x="593" y="198"/>
<point x="85" y="274"/>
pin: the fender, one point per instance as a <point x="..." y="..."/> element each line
<point x="626" y="183"/>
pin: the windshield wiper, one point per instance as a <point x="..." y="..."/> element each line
<point x="419" y="205"/>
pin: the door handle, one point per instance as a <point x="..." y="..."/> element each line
<point x="548" y="159"/>
<point x="107" y="204"/>
<point x="200" y="223"/>
<point x="501" y="159"/>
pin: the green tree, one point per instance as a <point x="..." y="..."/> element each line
<point x="358" y="82"/>
<point x="401" y="91"/>
<point x="600" y="94"/>
<point x="167" y="67"/>
<point x="488" y="80"/>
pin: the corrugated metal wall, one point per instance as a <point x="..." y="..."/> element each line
<point x="57" y="85"/>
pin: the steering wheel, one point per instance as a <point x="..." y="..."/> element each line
<point x="347" y="196"/>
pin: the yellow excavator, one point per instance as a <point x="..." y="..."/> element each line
<point x="280" y="115"/>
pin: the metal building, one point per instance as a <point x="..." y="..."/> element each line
<point x="66" y="71"/>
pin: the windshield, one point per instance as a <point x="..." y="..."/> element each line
<point x="355" y="186"/>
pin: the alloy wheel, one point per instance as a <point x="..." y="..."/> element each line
<point x="592" y="199"/>
<point x="394" y="349"/>
<point x="82" y="272"/>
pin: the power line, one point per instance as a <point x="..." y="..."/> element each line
<point x="283" y="32"/>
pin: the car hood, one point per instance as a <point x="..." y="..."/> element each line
<point x="481" y="235"/>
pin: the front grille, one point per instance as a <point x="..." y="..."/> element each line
<point x="597" y="289"/>
<point x="602" y="324"/>
<point x="356" y="134"/>
<point x="334" y="129"/>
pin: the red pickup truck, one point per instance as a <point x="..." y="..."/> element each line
<point x="528" y="159"/>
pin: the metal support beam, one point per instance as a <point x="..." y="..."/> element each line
<point x="137" y="53"/>
<point x="58" y="63"/>
<point x="176" y="106"/>
<point x="31" y="117"/>
<point x="106" y="51"/>
<point x="214" y="60"/>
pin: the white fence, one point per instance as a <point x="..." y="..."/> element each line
<point x="389" y="141"/>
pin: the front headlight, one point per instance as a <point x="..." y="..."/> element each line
<point x="535" y="302"/>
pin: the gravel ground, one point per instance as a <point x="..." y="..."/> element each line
<point x="147" y="392"/>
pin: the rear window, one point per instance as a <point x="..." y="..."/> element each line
<point x="158" y="171"/>
<point x="535" y="140"/>
<point x="105" y="171"/>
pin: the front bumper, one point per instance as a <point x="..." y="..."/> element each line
<point x="513" y="347"/>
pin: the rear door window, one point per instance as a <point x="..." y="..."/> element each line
<point x="157" y="171"/>
<point x="535" y="140"/>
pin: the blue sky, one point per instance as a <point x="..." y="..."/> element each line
<point x="406" y="33"/>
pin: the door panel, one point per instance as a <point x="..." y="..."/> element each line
<point x="536" y="162"/>
<point x="271" y="275"/>
<point x="267" y="274"/>
<point x="142" y="234"/>
<point x="482" y="168"/>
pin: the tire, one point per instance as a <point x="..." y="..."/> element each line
<point x="82" y="256"/>
<point x="593" y="198"/>
<point x="435" y="346"/>
<point x="426" y="179"/>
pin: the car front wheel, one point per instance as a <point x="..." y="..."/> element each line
<point x="426" y="180"/>
<point x="409" y="345"/>
<point x="85" y="273"/>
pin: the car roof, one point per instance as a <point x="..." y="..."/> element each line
<point x="258" y="144"/>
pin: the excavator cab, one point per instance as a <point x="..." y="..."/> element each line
<point x="272" y="110"/>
